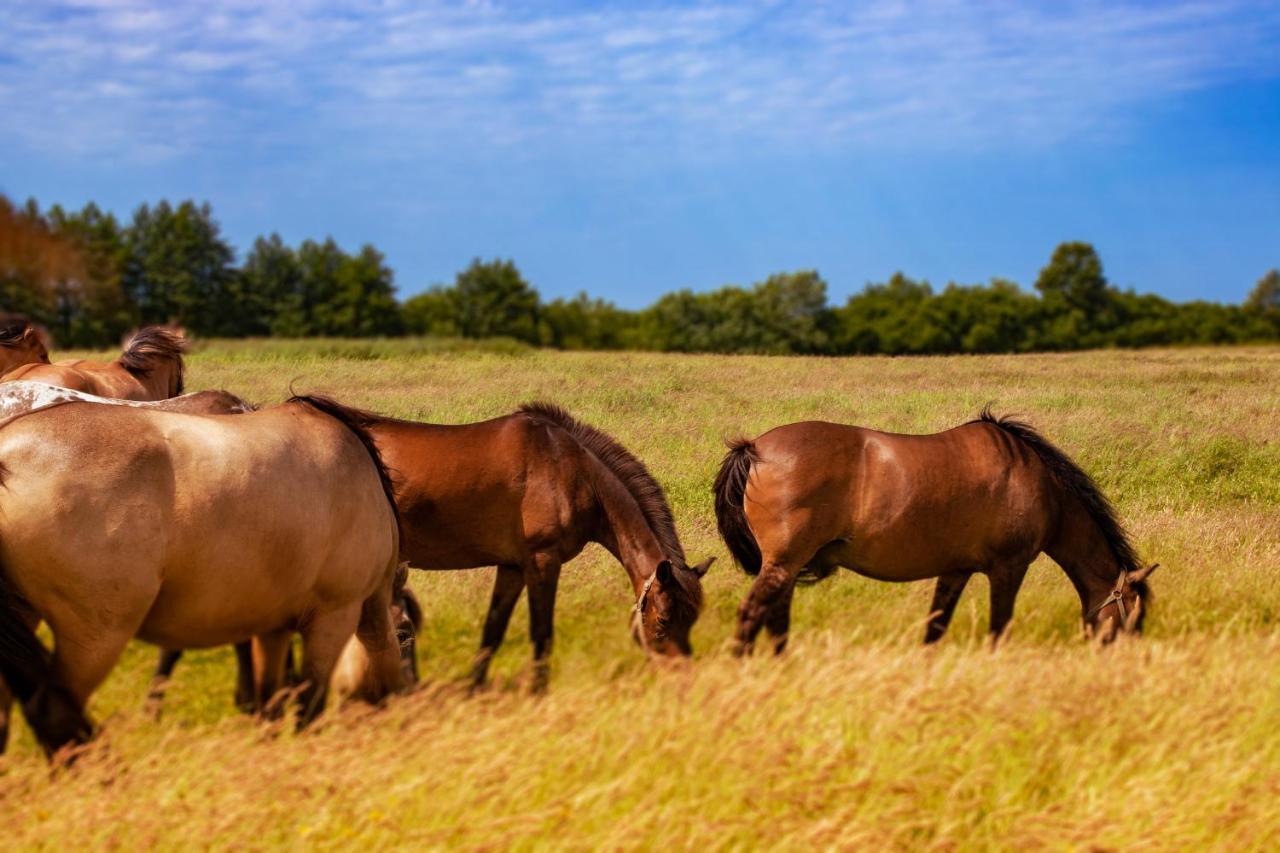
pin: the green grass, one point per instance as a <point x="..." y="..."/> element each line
<point x="857" y="736"/>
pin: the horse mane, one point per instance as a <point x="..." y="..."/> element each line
<point x="639" y="483"/>
<point x="12" y="329"/>
<point x="358" y="422"/>
<point x="150" y="346"/>
<point x="1073" y="479"/>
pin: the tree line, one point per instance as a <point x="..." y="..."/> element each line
<point x="89" y="278"/>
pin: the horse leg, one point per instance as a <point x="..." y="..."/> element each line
<point x="80" y="664"/>
<point x="267" y="653"/>
<point x="773" y="585"/>
<point x="160" y="680"/>
<point x="1005" y="582"/>
<point x="508" y="583"/>
<point x="382" y="649"/>
<point x="323" y="640"/>
<point x="245" y="687"/>
<point x="778" y="621"/>
<point x="6" y="706"/>
<point x="946" y="594"/>
<point x="542" y="578"/>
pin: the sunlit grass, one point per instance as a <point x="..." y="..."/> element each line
<point x="857" y="736"/>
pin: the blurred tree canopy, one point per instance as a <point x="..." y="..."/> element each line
<point x="89" y="278"/>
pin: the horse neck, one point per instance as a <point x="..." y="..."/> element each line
<point x="1084" y="554"/>
<point x="623" y="530"/>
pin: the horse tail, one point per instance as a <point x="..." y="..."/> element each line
<point x="730" y="488"/>
<point x="359" y="423"/>
<point x="27" y="667"/>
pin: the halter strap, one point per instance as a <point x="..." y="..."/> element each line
<point x="1116" y="597"/>
<point x="637" y="611"/>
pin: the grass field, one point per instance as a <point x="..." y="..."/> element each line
<point x="857" y="737"/>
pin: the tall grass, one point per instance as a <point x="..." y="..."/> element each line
<point x="856" y="737"/>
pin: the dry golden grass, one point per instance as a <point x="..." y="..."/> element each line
<point x="857" y="737"/>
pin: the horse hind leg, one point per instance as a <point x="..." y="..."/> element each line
<point x="946" y="595"/>
<point x="778" y="622"/>
<point x="6" y="707"/>
<point x="160" y="681"/>
<point x="323" y="640"/>
<point x="267" y="654"/>
<point x="769" y="600"/>
<point x="508" y="583"/>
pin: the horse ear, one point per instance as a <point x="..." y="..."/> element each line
<point x="1142" y="574"/>
<point x="664" y="573"/>
<point x="701" y="569"/>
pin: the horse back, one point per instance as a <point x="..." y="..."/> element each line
<point x="894" y="504"/>
<point x="481" y="494"/>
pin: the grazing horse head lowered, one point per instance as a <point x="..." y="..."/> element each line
<point x="805" y="499"/>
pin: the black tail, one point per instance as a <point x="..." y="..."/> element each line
<point x="730" y="487"/>
<point x="54" y="716"/>
<point x="359" y="422"/>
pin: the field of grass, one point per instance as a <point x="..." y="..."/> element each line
<point x="856" y="737"/>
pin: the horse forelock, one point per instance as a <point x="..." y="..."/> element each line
<point x="643" y="488"/>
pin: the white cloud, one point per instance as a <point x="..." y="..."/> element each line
<point x="90" y="77"/>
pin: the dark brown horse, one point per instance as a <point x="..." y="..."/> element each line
<point x="150" y="368"/>
<point x="527" y="492"/>
<point x="20" y="343"/>
<point x="804" y="499"/>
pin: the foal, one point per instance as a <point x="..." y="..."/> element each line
<point x="804" y="499"/>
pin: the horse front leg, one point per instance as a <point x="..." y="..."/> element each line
<point x="1005" y="583"/>
<point x="542" y="578"/>
<point x="508" y="583"/>
<point x="773" y="587"/>
<point x="946" y="595"/>
<point x="6" y="708"/>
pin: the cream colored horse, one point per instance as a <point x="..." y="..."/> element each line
<point x="189" y="531"/>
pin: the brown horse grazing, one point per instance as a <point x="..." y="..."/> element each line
<point x="20" y="343"/>
<point x="150" y="368"/>
<point x="188" y="531"/>
<point x="527" y="492"/>
<point x="804" y="499"/>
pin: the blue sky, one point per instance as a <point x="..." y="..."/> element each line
<point x="632" y="149"/>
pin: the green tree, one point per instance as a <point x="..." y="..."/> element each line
<point x="272" y="283"/>
<point x="93" y="309"/>
<point x="1265" y="295"/>
<point x="492" y="299"/>
<point x="1079" y="306"/>
<point x="180" y="268"/>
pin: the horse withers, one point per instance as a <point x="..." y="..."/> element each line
<point x="189" y="531"/>
<point x="986" y="497"/>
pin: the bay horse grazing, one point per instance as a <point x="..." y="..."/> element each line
<point x="20" y="343"/>
<point x="189" y="531"/>
<point x="804" y="499"/>
<point x="150" y="368"/>
<point x="527" y="492"/>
